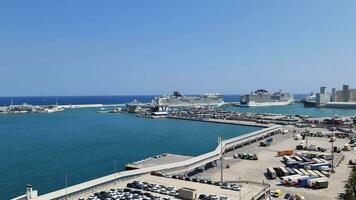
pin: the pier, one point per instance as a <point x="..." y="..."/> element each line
<point x="226" y="121"/>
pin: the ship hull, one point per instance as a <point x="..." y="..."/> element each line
<point x="261" y="104"/>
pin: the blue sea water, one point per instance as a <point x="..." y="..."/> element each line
<point x="40" y="148"/>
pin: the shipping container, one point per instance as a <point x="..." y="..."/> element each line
<point x="285" y="172"/>
<point x="319" y="173"/>
<point x="312" y="173"/>
<point x="301" y="165"/>
<point x="292" y="165"/>
<point x="304" y="172"/>
<point x="312" y="182"/>
<point x="318" y="165"/>
<point x="278" y="171"/>
<point x="303" y="182"/>
<point x="291" y="172"/>
<point x="285" y="152"/>
<point x="271" y="173"/>
<point x="316" y="160"/>
<point x="298" y="171"/>
<point x="286" y="158"/>
<point x="291" y="162"/>
<point x="294" y="181"/>
<point x="324" y="168"/>
<point x="287" y="180"/>
<point x="297" y="158"/>
<point x="327" y="174"/>
<point x="306" y="159"/>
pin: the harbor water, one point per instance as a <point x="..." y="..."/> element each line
<point x="40" y="148"/>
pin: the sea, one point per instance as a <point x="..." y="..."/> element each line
<point x="40" y="149"/>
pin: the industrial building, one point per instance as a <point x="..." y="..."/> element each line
<point x="345" y="98"/>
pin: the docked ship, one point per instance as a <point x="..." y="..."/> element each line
<point x="262" y="97"/>
<point x="309" y="101"/>
<point x="137" y="107"/>
<point x="177" y="100"/>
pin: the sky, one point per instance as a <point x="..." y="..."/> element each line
<point x="117" y="47"/>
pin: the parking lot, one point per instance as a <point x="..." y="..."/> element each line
<point x="152" y="187"/>
<point x="254" y="170"/>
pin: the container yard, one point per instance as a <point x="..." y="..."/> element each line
<point x="303" y="172"/>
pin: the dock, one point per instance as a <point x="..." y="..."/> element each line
<point x="226" y="121"/>
<point x="157" y="160"/>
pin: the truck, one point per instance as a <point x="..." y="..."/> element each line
<point x="287" y="180"/>
<point x="266" y="142"/>
<point x="312" y="183"/>
<point x="303" y="182"/>
<point x="322" y="183"/>
<point x="294" y="181"/>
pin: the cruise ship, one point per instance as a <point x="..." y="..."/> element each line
<point x="309" y="101"/>
<point x="177" y="100"/>
<point x="262" y="97"/>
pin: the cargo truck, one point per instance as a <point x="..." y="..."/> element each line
<point x="303" y="182"/>
<point x="313" y="182"/>
<point x="266" y="142"/>
<point x="320" y="184"/>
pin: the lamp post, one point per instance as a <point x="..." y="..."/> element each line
<point x="332" y="140"/>
<point x="66" y="175"/>
<point x="240" y="188"/>
<point x="115" y="168"/>
<point x="221" y="160"/>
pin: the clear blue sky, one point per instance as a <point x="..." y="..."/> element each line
<point x="118" y="47"/>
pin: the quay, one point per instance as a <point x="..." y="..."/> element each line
<point x="188" y="166"/>
<point x="92" y="105"/>
<point x="156" y="160"/>
<point x="225" y="121"/>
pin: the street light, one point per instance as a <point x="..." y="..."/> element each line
<point x="332" y="140"/>
<point x="66" y="176"/>
<point x="240" y="188"/>
<point x="220" y="139"/>
<point x="115" y="168"/>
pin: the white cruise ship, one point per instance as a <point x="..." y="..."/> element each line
<point x="177" y="100"/>
<point x="262" y="97"/>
